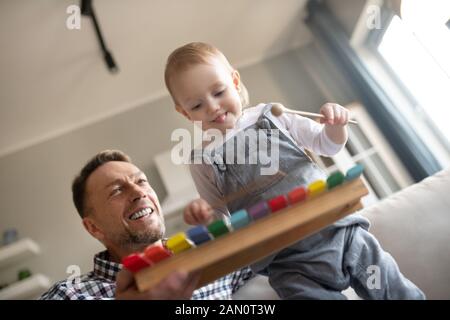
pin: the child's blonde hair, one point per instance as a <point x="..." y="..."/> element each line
<point x="197" y="53"/>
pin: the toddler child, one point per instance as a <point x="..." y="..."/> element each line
<point x="206" y="89"/>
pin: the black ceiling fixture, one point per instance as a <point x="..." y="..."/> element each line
<point x="88" y="10"/>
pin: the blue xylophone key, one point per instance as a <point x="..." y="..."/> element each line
<point x="239" y="219"/>
<point x="354" y="172"/>
<point x="198" y="235"/>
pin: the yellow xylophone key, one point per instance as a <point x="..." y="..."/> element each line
<point x="178" y="243"/>
<point x="316" y="188"/>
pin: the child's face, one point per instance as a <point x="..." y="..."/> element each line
<point x="208" y="93"/>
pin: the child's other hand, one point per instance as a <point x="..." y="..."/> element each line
<point x="198" y="212"/>
<point x="334" y="114"/>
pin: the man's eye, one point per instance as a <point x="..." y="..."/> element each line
<point x="140" y="181"/>
<point x="115" y="191"/>
<point x="196" y="106"/>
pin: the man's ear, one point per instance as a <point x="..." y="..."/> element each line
<point x="91" y="227"/>
<point x="236" y="80"/>
<point x="183" y="112"/>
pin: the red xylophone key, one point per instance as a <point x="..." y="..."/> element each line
<point x="135" y="262"/>
<point x="278" y="203"/>
<point x="155" y="253"/>
<point x="297" y="195"/>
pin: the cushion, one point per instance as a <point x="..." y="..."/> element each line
<point x="413" y="225"/>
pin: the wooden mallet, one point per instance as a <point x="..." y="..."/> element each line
<point x="278" y="109"/>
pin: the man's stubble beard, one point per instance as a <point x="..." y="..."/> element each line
<point x="136" y="240"/>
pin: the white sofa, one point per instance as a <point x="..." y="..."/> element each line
<point x="413" y="225"/>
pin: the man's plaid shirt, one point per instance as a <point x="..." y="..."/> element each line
<point x="101" y="284"/>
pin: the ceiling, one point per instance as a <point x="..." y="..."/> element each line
<point x="54" y="80"/>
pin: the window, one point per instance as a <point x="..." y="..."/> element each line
<point x="383" y="172"/>
<point x="416" y="49"/>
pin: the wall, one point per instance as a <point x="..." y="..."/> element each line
<point x="46" y="66"/>
<point x="347" y="12"/>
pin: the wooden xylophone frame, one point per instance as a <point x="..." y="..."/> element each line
<point x="260" y="238"/>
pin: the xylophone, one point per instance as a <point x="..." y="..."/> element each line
<point x="250" y="234"/>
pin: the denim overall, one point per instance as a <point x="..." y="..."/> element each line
<point x="321" y="265"/>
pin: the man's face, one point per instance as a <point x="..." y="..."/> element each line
<point x="209" y="93"/>
<point x="123" y="210"/>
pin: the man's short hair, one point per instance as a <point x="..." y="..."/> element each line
<point x="79" y="183"/>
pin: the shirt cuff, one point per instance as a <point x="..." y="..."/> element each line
<point x="330" y="148"/>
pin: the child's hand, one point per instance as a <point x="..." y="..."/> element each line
<point x="334" y="114"/>
<point x="198" y="212"/>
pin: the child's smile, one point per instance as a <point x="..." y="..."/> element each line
<point x="221" y="118"/>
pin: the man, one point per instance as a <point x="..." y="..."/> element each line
<point x="119" y="208"/>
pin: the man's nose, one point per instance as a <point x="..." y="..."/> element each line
<point x="137" y="193"/>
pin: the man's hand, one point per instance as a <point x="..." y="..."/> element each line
<point x="176" y="286"/>
<point x="198" y="212"/>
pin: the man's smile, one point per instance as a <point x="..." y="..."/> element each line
<point x="140" y="213"/>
